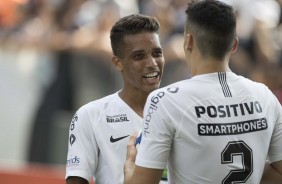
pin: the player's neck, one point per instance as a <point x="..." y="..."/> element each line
<point x="209" y="65"/>
<point x="136" y="101"/>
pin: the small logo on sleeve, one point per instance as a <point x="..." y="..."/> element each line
<point x="73" y="161"/>
<point x="72" y="139"/>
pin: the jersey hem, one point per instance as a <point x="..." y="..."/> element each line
<point x="275" y="158"/>
<point x="150" y="164"/>
<point x="78" y="174"/>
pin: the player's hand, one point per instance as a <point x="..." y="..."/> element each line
<point x="131" y="153"/>
<point x="131" y="149"/>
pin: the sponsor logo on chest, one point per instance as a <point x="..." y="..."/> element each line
<point x="117" y="118"/>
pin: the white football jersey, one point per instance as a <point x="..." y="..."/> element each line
<point x="98" y="137"/>
<point x="213" y="128"/>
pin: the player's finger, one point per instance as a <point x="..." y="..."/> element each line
<point x="132" y="138"/>
<point x="131" y="149"/>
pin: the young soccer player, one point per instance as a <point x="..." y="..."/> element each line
<point x="100" y="130"/>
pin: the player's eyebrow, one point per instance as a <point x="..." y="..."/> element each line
<point x="158" y="49"/>
<point x="138" y="51"/>
<point x="143" y="50"/>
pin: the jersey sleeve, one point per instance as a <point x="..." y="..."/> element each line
<point x="82" y="157"/>
<point x="275" y="149"/>
<point x="157" y="133"/>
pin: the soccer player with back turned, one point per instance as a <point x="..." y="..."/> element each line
<point x="216" y="127"/>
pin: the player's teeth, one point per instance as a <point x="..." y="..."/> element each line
<point x="150" y="75"/>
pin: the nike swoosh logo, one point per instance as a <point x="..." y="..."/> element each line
<point x="117" y="139"/>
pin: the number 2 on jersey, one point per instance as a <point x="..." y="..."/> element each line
<point x="237" y="148"/>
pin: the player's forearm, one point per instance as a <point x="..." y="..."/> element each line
<point x="272" y="173"/>
<point x="128" y="171"/>
<point x="278" y="166"/>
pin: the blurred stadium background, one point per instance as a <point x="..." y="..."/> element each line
<point x="55" y="56"/>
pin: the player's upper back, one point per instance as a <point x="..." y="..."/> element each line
<point x="219" y="96"/>
<point x="220" y="121"/>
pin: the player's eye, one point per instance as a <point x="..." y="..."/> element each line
<point x="138" y="56"/>
<point x="157" y="53"/>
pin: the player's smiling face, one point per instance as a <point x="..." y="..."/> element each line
<point x="142" y="61"/>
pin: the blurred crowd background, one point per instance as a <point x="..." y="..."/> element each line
<point x="55" y="56"/>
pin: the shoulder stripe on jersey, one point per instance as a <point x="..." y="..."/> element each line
<point x="225" y="88"/>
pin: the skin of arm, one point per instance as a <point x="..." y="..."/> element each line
<point x="76" y="180"/>
<point x="272" y="173"/>
<point x="134" y="174"/>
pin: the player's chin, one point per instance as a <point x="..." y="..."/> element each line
<point x="151" y="87"/>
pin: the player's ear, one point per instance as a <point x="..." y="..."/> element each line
<point x="235" y="45"/>
<point x="117" y="63"/>
<point x="188" y="42"/>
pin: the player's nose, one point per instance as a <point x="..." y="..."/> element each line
<point x="151" y="62"/>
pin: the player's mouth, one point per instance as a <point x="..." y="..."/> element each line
<point x="152" y="77"/>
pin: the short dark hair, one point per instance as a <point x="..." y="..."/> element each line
<point x="213" y="24"/>
<point x="128" y="25"/>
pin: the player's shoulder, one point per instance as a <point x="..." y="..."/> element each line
<point x="254" y="85"/>
<point x="100" y="104"/>
<point x="167" y="91"/>
<point x="104" y="100"/>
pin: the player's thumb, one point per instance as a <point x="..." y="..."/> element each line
<point x="131" y="149"/>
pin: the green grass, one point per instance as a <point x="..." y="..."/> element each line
<point x="164" y="175"/>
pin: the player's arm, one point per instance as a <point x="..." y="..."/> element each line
<point x="80" y="166"/>
<point x="76" y="180"/>
<point x="135" y="174"/>
<point x="278" y="166"/>
<point x="272" y="173"/>
<point x="143" y="175"/>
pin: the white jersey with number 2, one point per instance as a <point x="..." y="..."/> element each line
<point x="216" y="128"/>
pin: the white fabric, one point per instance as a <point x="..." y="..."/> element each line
<point x="91" y="152"/>
<point x="242" y="120"/>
